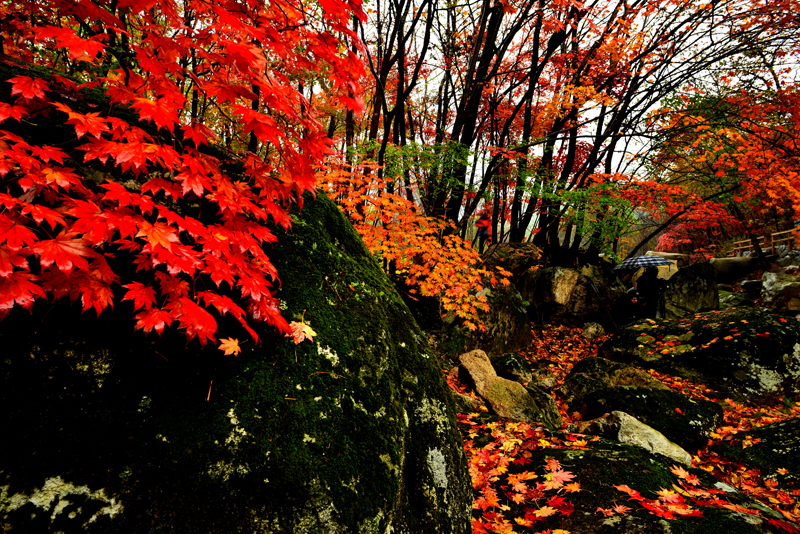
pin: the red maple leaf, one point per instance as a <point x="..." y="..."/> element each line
<point x="15" y="235"/>
<point x="28" y="88"/>
<point x="141" y="295"/>
<point x="66" y="251"/>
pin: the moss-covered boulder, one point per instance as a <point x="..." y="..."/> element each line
<point x="730" y="299"/>
<point x="105" y="431"/>
<point x="742" y="353"/>
<point x="596" y="386"/>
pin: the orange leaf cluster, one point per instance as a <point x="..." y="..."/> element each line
<point x="433" y="261"/>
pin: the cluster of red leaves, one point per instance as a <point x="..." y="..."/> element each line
<point x="433" y="261"/>
<point x="564" y="346"/>
<point x="58" y="230"/>
<point x="765" y="487"/>
<point x="540" y="496"/>
<point x="511" y="444"/>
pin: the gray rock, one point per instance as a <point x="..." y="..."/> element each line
<point x="694" y="288"/>
<point x="781" y="292"/>
<point x="752" y="288"/>
<point x="625" y="428"/>
<point x="790" y="258"/>
<point x="593" y="330"/>
<point x="730" y="269"/>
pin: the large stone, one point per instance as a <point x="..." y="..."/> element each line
<point x="107" y="431"/>
<point x="781" y="292"/>
<point x="571" y="295"/>
<point x="730" y="269"/>
<point x="592" y="374"/>
<point x="596" y="386"/>
<point x="511" y="399"/>
<point x="508" y="398"/>
<point x="694" y="288"/>
<point x="625" y="428"/>
<point x="746" y="354"/>
<point x="479" y="368"/>
<point x="550" y="285"/>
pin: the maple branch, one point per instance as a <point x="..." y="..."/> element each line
<point x="670" y="220"/>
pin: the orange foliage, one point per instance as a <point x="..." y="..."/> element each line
<point x="433" y="261"/>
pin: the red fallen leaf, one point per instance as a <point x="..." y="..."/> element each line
<point x="620" y="509"/>
<point x="784" y="525"/>
<point x="633" y="494"/>
<point x="608" y="512"/>
<point x="764" y="334"/>
<point x="679" y="411"/>
<point x="28" y="88"/>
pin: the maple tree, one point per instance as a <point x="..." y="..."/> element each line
<point x="739" y="146"/>
<point x="182" y="136"/>
<point x="523" y="108"/>
<point x="431" y="262"/>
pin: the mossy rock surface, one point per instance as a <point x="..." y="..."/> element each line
<point x="745" y="354"/>
<point x="774" y="446"/>
<point x="730" y="299"/>
<point x="682" y="420"/>
<point x="106" y="431"/>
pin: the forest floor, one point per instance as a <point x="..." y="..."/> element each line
<point x="488" y="439"/>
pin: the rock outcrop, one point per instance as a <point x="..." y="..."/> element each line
<point x="353" y="432"/>
<point x="694" y="288"/>
<point x="624" y="428"/>
<point x="508" y="398"/>
<point x="596" y="386"/>
<point x="742" y="353"/>
<point x="571" y="295"/>
<point x="781" y="292"/>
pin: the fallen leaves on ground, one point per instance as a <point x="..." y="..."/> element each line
<point x="542" y="492"/>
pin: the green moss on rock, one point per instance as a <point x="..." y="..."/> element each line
<point x="354" y="432"/>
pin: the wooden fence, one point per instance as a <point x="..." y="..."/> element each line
<point x="768" y="243"/>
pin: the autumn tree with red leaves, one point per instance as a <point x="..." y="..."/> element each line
<point x="149" y="146"/>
